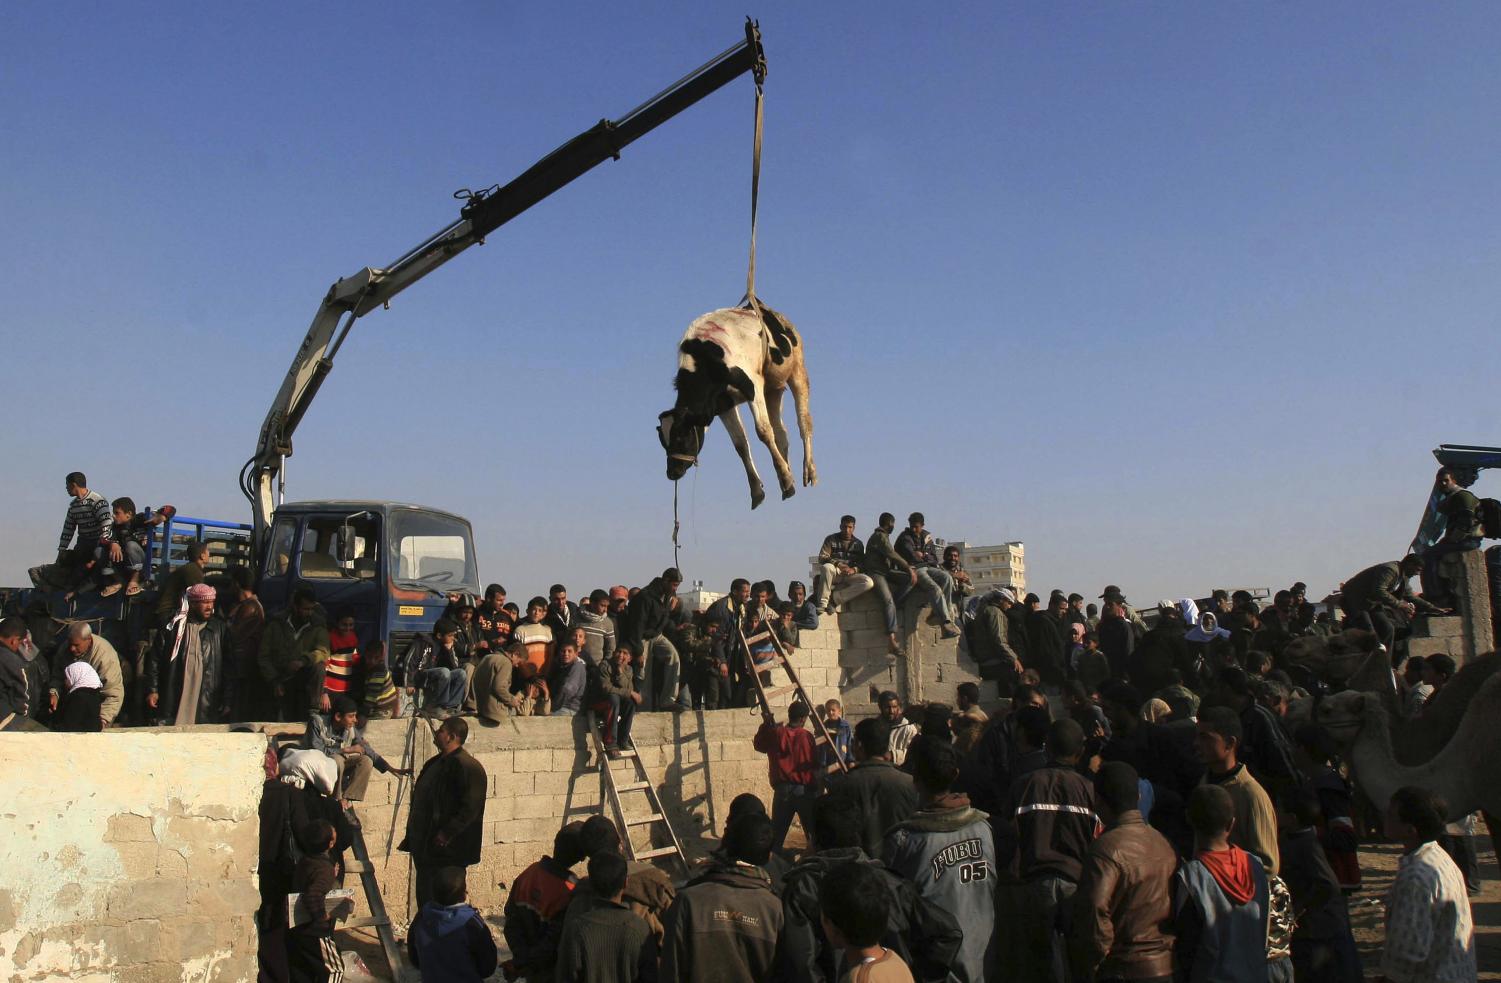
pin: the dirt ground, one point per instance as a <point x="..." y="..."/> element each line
<point x="1378" y="864"/>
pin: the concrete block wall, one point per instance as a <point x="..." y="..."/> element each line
<point x="1472" y="585"/>
<point x="543" y="773"/>
<point x="129" y="855"/>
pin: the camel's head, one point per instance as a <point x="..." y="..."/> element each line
<point x="1343" y="714"/>
<point x="1334" y="659"/>
<point x="681" y="439"/>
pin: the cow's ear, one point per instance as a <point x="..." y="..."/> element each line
<point x="664" y="427"/>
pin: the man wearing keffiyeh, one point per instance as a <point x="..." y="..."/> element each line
<point x="187" y="680"/>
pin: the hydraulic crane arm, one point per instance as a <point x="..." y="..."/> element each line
<point x="484" y="212"/>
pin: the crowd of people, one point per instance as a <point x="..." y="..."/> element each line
<point x="1141" y="808"/>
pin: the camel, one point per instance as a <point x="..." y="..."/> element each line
<point x="732" y="356"/>
<point x="1333" y="658"/>
<point x="1463" y="772"/>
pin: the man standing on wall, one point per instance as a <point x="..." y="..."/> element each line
<point x="448" y="810"/>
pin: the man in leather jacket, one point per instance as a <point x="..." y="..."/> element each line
<point x="187" y="680"/>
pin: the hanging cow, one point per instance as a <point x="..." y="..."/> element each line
<point x="729" y="357"/>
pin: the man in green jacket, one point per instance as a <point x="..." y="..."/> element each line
<point x="292" y="644"/>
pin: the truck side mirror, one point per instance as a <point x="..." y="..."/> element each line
<point x="346" y="544"/>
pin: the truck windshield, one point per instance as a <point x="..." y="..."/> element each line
<point x="433" y="549"/>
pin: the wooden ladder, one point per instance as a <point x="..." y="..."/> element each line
<point x="377" y="919"/>
<point x="639" y="780"/>
<point x="763" y="695"/>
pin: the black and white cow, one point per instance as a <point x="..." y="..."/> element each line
<point x="729" y="357"/>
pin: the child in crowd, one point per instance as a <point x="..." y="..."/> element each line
<point x="854" y="901"/>
<point x="124" y="557"/>
<point x="449" y="941"/>
<point x="535" y="906"/>
<point x="382" y="702"/>
<point x="341" y="670"/>
<point x="536" y="635"/>
<point x="312" y="956"/>
<point x="1222" y="899"/>
<point x="607" y="941"/>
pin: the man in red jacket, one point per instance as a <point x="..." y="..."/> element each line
<point x="789" y="750"/>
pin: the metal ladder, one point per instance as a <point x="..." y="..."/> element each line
<point x="763" y="695"/>
<point x="640" y="780"/>
<point x="377" y="919"/>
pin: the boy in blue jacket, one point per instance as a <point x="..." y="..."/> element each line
<point x="449" y="941"/>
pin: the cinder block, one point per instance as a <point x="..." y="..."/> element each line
<point x="1437" y="626"/>
<point x="536" y="806"/>
<point x="539" y="759"/>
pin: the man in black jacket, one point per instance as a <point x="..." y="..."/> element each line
<point x="446" y="823"/>
<point x="187" y="680"/>
<point x="644" y="628"/>
<point x="923" y="934"/>
<point x="885" y="796"/>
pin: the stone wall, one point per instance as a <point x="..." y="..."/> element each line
<point x="129" y="856"/>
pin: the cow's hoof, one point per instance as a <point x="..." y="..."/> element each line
<point x="788" y="491"/>
<point x="758" y="495"/>
<point x="810" y="476"/>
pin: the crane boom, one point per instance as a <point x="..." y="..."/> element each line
<point x="483" y="212"/>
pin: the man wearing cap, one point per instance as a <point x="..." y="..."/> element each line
<point x="339" y="736"/>
<point x="990" y="642"/>
<point x="1075" y="614"/>
<point x="187" y="680"/>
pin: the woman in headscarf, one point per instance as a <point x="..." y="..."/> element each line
<point x="187" y="681"/>
<point x="79" y="710"/>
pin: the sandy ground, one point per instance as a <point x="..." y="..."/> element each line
<point x="1378" y="863"/>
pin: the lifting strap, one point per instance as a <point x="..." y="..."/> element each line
<point x="750" y="276"/>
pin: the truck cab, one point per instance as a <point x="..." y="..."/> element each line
<point x="391" y="564"/>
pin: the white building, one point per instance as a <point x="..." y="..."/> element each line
<point x="1002" y="565"/>
<point x="696" y="598"/>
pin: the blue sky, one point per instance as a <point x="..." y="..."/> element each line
<point x="1181" y="295"/>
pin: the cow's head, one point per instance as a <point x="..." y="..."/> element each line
<point x="682" y="439"/>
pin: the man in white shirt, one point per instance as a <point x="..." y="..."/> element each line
<point x="1430" y="937"/>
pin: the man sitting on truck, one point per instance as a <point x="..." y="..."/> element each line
<point x="88" y="517"/>
<point x="292" y="644"/>
<point x="124" y="557"/>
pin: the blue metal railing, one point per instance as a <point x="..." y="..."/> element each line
<point x="160" y="554"/>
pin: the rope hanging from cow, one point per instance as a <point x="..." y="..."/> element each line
<point x="750" y="274"/>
